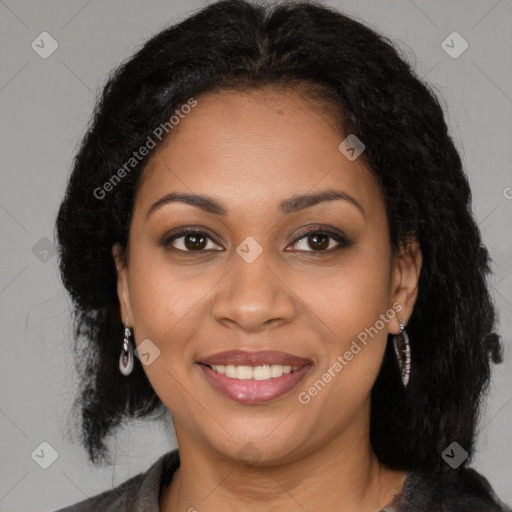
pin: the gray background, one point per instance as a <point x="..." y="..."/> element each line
<point x="45" y="106"/>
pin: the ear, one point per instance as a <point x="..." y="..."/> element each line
<point x="123" y="291"/>
<point x="404" y="281"/>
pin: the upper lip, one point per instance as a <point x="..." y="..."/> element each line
<point x="254" y="358"/>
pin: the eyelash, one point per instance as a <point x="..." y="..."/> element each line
<point x="342" y="240"/>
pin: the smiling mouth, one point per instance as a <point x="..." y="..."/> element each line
<point x="262" y="372"/>
<point x="254" y="377"/>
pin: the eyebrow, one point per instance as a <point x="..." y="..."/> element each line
<point x="291" y="205"/>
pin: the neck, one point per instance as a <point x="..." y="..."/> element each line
<point x="342" y="475"/>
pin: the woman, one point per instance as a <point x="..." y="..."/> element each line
<point x="269" y="209"/>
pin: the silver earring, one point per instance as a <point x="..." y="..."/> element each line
<point x="126" y="357"/>
<point x="403" y="353"/>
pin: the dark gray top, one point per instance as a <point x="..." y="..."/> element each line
<point x="458" y="491"/>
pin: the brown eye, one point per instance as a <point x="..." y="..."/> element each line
<point x="320" y="241"/>
<point x="190" y="241"/>
<point x="194" y="241"/>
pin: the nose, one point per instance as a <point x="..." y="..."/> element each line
<point x="253" y="296"/>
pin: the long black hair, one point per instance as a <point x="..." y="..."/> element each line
<point x="365" y="83"/>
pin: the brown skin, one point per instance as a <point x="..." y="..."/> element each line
<point x="251" y="151"/>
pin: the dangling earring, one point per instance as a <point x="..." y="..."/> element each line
<point x="403" y="352"/>
<point x="126" y="358"/>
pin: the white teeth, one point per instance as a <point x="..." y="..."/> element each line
<point x="276" y="370"/>
<point x="243" y="372"/>
<point x="230" y="370"/>
<point x="263" y="372"/>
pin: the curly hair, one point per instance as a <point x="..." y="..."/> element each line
<point x="373" y="92"/>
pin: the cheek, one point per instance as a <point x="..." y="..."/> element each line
<point x="353" y="349"/>
<point x="165" y="310"/>
<point x="353" y="311"/>
<point x="349" y="297"/>
<point x="160" y="299"/>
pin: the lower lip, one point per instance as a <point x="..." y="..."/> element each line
<point x="253" y="391"/>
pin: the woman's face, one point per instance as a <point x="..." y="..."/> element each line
<point x="260" y="276"/>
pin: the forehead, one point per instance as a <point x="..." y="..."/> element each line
<point x="254" y="148"/>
